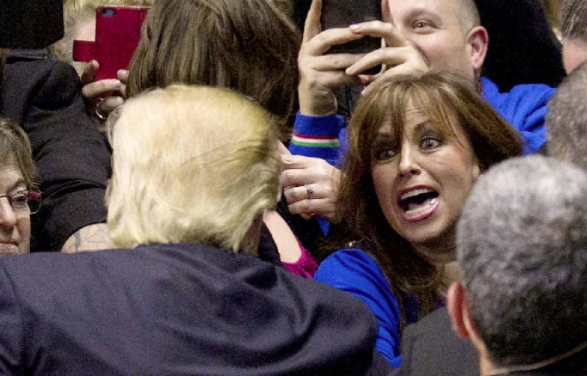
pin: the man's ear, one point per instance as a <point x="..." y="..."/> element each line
<point x="459" y="310"/>
<point x="478" y="42"/>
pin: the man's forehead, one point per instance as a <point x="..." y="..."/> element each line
<point x="446" y="9"/>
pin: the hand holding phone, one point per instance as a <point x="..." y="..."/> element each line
<point x="118" y="32"/>
<point x="342" y="14"/>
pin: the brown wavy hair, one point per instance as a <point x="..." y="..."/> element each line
<point x="247" y="45"/>
<point x="15" y="146"/>
<point x="438" y="95"/>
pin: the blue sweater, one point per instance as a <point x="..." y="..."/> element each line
<point x="357" y="273"/>
<point x="524" y="107"/>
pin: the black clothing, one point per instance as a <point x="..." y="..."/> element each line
<point x="30" y="23"/>
<point x="176" y="309"/>
<point x="70" y="154"/>
<point x="522" y="46"/>
<point x="431" y="348"/>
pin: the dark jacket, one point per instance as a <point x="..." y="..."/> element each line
<point x="176" y="309"/>
<point x="71" y="156"/>
<point x="431" y="348"/>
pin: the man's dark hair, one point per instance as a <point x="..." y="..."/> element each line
<point x="522" y="249"/>
<point x="573" y="19"/>
<point x="566" y="120"/>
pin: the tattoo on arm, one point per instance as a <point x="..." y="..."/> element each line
<point x="90" y="238"/>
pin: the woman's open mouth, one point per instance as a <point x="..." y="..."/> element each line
<point x="418" y="204"/>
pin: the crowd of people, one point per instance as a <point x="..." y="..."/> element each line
<point x="239" y="201"/>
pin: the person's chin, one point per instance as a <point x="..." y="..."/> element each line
<point x="7" y="249"/>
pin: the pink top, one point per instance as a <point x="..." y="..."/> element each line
<point x="305" y="266"/>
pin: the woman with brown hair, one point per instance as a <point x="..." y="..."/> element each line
<point x="416" y="147"/>
<point x="249" y="46"/>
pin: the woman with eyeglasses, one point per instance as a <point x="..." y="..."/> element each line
<point x="18" y="199"/>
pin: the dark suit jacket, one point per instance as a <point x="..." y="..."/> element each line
<point x="71" y="156"/>
<point x="431" y="348"/>
<point x="178" y="309"/>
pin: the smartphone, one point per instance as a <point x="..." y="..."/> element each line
<point x="118" y="32"/>
<point x="343" y="13"/>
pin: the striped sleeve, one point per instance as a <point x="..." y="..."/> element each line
<point x="318" y="137"/>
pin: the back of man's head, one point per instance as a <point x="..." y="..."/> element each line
<point x="566" y="120"/>
<point x="522" y="249"/>
<point x="573" y="27"/>
<point x="573" y="19"/>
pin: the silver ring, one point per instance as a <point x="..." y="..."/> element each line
<point x="97" y="111"/>
<point x="310" y="190"/>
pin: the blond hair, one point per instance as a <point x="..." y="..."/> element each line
<point x="77" y="11"/>
<point x="191" y="164"/>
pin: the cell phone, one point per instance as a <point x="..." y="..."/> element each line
<point x="118" y="32"/>
<point x="343" y="13"/>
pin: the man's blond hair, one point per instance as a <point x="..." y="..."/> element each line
<point x="191" y="164"/>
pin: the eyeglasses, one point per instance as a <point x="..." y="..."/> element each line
<point x="24" y="200"/>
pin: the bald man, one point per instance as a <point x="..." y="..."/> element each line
<point x="420" y="35"/>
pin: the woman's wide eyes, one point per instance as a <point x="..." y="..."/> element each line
<point x="385" y="154"/>
<point x="430" y="143"/>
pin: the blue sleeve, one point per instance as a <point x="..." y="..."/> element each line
<point x="530" y="117"/>
<point x="355" y="272"/>
<point x="524" y="107"/>
<point x="318" y="137"/>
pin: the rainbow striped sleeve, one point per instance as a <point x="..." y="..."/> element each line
<point x="318" y="137"/>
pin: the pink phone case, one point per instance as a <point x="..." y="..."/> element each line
<point x="118" y="31"/>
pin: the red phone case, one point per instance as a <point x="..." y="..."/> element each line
<point x="118" y="31"/>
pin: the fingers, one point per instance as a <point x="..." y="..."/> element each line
<point x="281" y="149"/>
<point x="309" y="209"/>
<point x="299" y="170"/>
<point x="389" y="56"/>
<point x="310" y="186"/>
<point x="122" y="75"/>
<point x="96" y="90"/>
<point x="89" y="73"/>
<point x="109" y="104"/>
<point x="328" y="38"/>
<point x="386" y="12"/>
<point x="321" y="204"/>
<point x="312" y="26"/>
<point x="379" y="29"/>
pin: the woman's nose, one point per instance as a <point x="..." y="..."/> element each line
<point x="7" y="215"/>
<point x="407" y="163"/>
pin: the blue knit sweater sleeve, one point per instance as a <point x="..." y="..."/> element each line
<point x="524" y="107"/>
<point x="318" y="137"/>
<point x="357" y="273"/>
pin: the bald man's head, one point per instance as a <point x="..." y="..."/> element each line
<point x="469" y="16"/>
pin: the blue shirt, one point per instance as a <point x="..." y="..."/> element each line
<point x="357" y="273"/>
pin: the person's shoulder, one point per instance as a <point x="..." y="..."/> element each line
<point x="539" y="93"/>
<point x="49" y="83"/>
<point x="430" y="347"/>
<point x="356" y="272"/>
<point x="348" y="260"/>
<point x="436" y="322"/>
<point x="523" y="93"/>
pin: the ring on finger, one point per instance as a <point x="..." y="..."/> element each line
<point x="310" y="191"/>
<point x="99" y="113"/>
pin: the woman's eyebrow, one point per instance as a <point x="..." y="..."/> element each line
<point x="423" y="126"/>
<point x="20" y="182"/>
